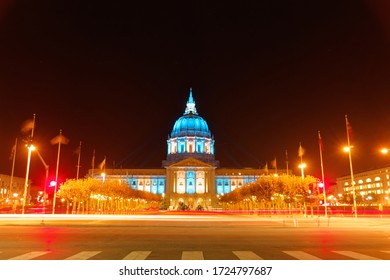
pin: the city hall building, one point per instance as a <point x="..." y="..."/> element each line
<point x="190" y="174"/>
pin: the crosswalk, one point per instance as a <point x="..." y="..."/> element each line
<point x="197" y="255"/>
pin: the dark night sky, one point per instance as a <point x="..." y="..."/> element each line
<point x="266" y="75"/>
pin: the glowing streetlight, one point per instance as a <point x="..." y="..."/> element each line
<point x="385" y="151"/>
<point x="302" y="166"/>
<point x="30" y="149"/>
<point x="28" y="126"/>
<point x="348" y="149"/>
<point x="103" y="176"/>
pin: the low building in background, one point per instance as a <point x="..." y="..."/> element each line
<point x="372" y="187"/>
<point x="11" y="189"/>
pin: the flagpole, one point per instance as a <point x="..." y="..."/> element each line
<point x="286" y="163"/>
<point x="78" y="162"/>
<point x="302" y="167"/>
<point x="13" y="166"/>
<point x="30" y="148"/>
<point x="102" y="166"/>
<point x="276" y="166"/>
<point x="350" y="166"/>
<point x="93" y="163"/>
<point x="322" y="174"/>
<point x="58" y="164"/>
<point x="300" y="152"/>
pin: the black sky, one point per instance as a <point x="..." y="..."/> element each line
<point x="266" y="75"/>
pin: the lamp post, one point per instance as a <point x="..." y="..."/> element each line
<point x="302" y="166"/>
<point x="30" y="148"/>
<point x="29" y="125"/>
<point x="46" y="179"/>
<point x="348" y="150"/>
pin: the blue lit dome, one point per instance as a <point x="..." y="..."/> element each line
<point x="190" y="124"/>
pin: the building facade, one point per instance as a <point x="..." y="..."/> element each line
<point x="190" y="175"/>
<point x="12" y="189"/>
<point x="368" y="185"/>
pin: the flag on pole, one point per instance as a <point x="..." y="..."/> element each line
<point x="102" y="165"/>
<point x="349" y="128"/>
<point x="13" y="151"/>
<point x="286" y="162"/>
<point x="93" y="160"/>
<point x="59" y="139"/>
<point x="77" y="151"/>
<point x="273" y="163"/>
<point x="301" y="151"/>
<point x="320" y="141"/>
<point x="27" y="126"/>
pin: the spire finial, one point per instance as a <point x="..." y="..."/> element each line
<point x="190" y="109"/>
<point x="190" y="99"/>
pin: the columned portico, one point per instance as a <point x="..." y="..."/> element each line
<point x="191" y="182"/>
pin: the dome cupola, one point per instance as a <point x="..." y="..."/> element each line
<point x="190" y="136"/>
<point x="190" y="124"/>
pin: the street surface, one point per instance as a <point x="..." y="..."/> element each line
<point x="193" y="237"/>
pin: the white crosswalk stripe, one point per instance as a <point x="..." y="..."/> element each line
<point x="30" y="255"/>
<point x="355" y="255"/>
<point x="192" y="255"/>
<point x="300" y="255"/>
<point x="137" y="255"/>
<point x="84" y="255"/>
<point x="246" y="255"/>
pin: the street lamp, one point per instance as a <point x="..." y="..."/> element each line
<point x="302" y="166"/>
<point x="348" y="149"/>
<point x="46" y="179"/>
<point x="30" y="149"/>
<point x="385" y="151"/>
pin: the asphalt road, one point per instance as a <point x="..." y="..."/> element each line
<point x="209" y="237"/>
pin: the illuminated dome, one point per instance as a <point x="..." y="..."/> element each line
<point x="190" y="124"/>
<point x="190" y="138"/>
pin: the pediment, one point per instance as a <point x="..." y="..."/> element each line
<point x="191" y="162"/>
